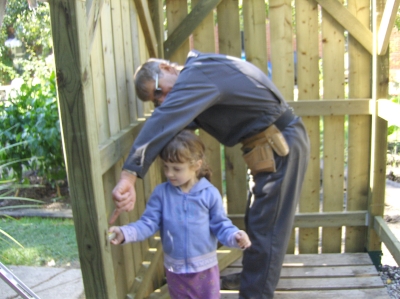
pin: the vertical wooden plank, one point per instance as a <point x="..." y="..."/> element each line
<point x="229" y="38"/>
<point x="380" y="79"/>
<point x="138" y="248"/>
<point x="155" y="179"/>
<point x="75" y="96"/>
<point x="255" y="37"/>
<point x="333" y="44"/>
<point x="203" y="35"/>
<point x="359" y="129"/>
<point x="129" y="264"/>
<point x="121" y="266"/>
<point x="128" y="46"/>
<point x="109" y="65"/>
<point x="135" y="105"/>
<point x="157" y="16"/>
<point x="119" y="61"/>
<point x="235" y="169"/>
<point x="282" y="56"/>
<point x="99" y="91"/>
<point x="204" y="41"/>
<point x="144" y="108"/>
<point x="176" y="12"/>
<point x="120" y="81"/>
<point x="280" y="17"/>
<point x="308" y="88"/>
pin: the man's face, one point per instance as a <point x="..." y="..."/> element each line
<point x="163" y="83"/>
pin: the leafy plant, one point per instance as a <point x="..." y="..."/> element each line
<point x="31" y="126"/>
<point x="394" y="146"/>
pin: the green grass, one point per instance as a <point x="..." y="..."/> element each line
<point x="46" y="241"/>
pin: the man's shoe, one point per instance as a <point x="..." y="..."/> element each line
<point x="231" y="282"/>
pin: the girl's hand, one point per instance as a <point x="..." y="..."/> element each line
<point x="242" y="239"/>
<point x="118" y="235"/>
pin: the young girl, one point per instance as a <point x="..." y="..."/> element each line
<point x="188" y="211"/>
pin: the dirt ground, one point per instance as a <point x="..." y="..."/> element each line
<point x="50" y="194"/>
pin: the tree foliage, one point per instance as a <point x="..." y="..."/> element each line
<point x="32" y="28"/>
<point x="29" y="115"/>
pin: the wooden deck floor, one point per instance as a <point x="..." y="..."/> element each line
<point x="312" y="276"/>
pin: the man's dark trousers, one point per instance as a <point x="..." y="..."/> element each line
<point x="270" y="217"/>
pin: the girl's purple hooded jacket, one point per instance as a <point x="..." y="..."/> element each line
<point x="190" y="226"/>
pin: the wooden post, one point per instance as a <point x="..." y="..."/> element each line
<point x="75" y="95"/>
<point x="380" y="81"/>
<point x="359" y="128"/>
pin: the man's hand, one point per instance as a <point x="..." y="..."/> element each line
<point x="124" y="195"/>
<point x="243" y="239"/>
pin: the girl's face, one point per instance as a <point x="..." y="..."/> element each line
<point x="182" y="174"/>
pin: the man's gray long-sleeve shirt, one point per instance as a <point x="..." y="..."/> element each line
<point x="229" y="98"/>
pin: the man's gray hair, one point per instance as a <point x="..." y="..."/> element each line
<point x="145" y="73"/>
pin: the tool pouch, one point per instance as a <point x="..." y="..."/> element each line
<point x="262" y="146"/>
<point x="277" y="141"/>
<point x="260" y="159"/>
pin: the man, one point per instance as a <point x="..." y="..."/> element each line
<point x="235" y="102"/>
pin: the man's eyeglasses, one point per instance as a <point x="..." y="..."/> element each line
<point x="157" y="93"/>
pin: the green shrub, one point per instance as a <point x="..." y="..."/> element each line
<point x="31" y="126"/>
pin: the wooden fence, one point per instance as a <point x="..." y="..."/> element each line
<point x="340" y="79"/>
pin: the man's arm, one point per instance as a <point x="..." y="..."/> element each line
<point x="124" y="194"/>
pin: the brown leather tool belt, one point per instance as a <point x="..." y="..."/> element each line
<point x="258" y="149"/>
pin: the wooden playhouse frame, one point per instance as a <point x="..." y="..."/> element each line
<point x="99" y="43"/>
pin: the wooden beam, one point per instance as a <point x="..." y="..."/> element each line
<point x="345" y="18"/>
<point x="331" y="219"/>
<point x="386" y="26"/>
<point x="188" y="25"/>
<point x="387" y="237"/>
<point x="389" y="111"/>
<point x="333" y="107"/>
<point x="114" y="149"/>
<point x="147" y="26"/>
<point x="93" y="17"/>
<point x="325" y="219"/>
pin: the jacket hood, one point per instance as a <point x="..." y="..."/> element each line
<point x="202" y="184"/>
